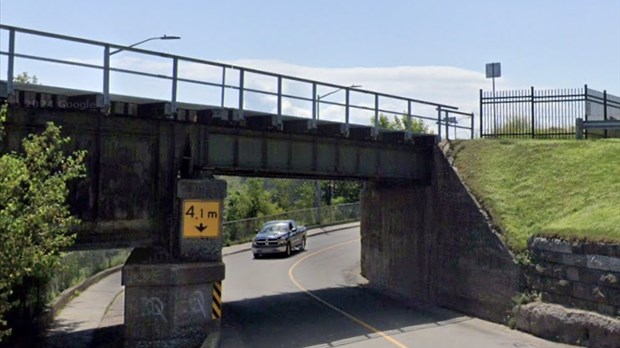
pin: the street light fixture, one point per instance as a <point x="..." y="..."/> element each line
<point x="165" y="37"/>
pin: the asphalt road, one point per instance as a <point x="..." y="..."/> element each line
<point x="316" y="298"/>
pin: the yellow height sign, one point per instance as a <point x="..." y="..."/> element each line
<point x="201" y="219"/>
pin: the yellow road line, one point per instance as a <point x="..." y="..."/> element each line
<point x="327" y="304"/>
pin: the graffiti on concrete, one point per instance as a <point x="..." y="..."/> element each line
<point x="153" y="307"/>
<point x="197" y="303"/>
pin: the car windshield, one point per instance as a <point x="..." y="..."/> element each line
<point x="275" y="228"/>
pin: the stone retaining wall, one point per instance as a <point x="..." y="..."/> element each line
<point x="580" y="275"/>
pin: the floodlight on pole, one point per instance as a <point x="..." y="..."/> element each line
<point x="165" y="37"/>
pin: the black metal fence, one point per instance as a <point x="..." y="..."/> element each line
<point x="545" y="113"/>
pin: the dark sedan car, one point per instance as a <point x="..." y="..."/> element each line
<point x="281" y="236"/>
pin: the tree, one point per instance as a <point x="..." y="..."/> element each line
<point x="261" y="201"/>
<point x="345" y="191"/>
<point x="25" y="78"/>
<point x="305" y="194"/>
<point x="249" y="201"/>
<point x="35" y="222"/>
<point x="237" y="205"/>
<point x="400" y="123"/>
<point x="282" y="191"/>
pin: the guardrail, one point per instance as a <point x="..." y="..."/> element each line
<point x="379" y="102"/>
<point x="244" y="230"/>
<point x="582" y="125"/>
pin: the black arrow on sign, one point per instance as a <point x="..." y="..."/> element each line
<point x="201" y="227"/>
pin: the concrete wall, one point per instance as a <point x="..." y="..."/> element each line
<point x="434" y="245"/>
<point x="397" y="240"/>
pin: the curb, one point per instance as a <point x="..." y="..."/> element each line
<point x="568" y="325"/>
<point x="310" y="234"/>
<point x="46" y="318"/>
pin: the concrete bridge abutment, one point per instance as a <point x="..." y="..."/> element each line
<point x="434" y="245"/>
<point x="397" y="240"/>
<point x="173" y="296"/>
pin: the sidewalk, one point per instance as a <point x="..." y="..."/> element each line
<point x="78" y="321"/>
<point x="95" y="317"/>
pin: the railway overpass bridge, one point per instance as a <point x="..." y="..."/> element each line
<point x="134" y="160"/>
<point x="151" y="162"/>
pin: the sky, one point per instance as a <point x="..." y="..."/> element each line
<point x="431" y="50"/>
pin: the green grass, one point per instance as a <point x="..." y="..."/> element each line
<point x="564" y="188"/>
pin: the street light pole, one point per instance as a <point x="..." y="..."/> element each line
<point x="317" y="182"/>
<point x="319" y="97"/>
<point x="106" y="66"/>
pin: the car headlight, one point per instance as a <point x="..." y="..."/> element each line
<point x="282" y="240"/>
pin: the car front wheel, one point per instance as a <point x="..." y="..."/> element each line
<point x="302" y="246"/>
<point x="288" y="249"/>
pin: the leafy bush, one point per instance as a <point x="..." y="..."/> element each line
<point x="35" y="222"/>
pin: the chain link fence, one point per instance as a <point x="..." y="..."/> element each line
<point x="80" y="265"/>
<point x="244" y="230"/>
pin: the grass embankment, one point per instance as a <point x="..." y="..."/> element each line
<point x="564" y="188"/>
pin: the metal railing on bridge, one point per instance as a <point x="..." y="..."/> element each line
<point x="549" y="113"/>
<point x="452" y="119"/>
<point x="287" y="95"/>
<point x="244" y="230"/>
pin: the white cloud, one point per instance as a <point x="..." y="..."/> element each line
<point x="440" y="84"/>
